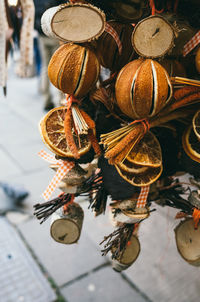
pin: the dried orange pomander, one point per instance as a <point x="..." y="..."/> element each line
<point x="142" y="88"/>
<point x="73" y="69"/>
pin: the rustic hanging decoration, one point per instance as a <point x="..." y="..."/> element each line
<point x="3" y="29"/>
<point x="26" y="38"/>
<point x="139" y="108"/>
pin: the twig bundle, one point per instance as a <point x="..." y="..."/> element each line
<point x="44" y="210"/>
<point x="118" y="240"/>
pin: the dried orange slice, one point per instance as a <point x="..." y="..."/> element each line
<point x="145" y="178"/>
<point x="191" y="144"/>
<point x="147" y="152"/>
<point x="53" y="134"/>
<point x="132" y="168"/>
<point x="196" y="124"/>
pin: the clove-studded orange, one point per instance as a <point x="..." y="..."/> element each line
<point x="73" y="69"/>
<point x="142" y="88"/>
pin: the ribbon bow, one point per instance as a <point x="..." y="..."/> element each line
<point x="142" y="199"/>
<point x="193" y="42"/>
<point x="64" y="168"/>
<point x="109" y="29"/>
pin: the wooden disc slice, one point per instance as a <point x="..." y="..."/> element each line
<point x="153" y="37"/>
<point x="131" y="251"/>
<point x="66" y="227"/>
<point x="129" y="255"/>
<point x="187" y="241"/>
<point x="76" y="22"/>
<point x="46" y="21"/>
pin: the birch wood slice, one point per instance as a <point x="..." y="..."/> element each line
<point x="188" y="241"/>
<point x="129" y="256"/>
<point x="153" y="37"/>
<point x="74" y="22"/>
<point x="66" y="227"/>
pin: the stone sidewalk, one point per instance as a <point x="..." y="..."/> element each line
<point x="79" y="272"/>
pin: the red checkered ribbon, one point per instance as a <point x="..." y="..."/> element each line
<point x="64" y="168"/>
<point x="142" y="199"/>
<point x="189" y="46"/>
<point x="109" y="29"/>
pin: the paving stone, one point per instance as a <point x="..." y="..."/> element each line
<point x="35" y="183"/>
<point x="102" y="285"/>
<point x="27" y="155"/>
<point x="160" y="271"/>
<point x="20" y="277"/>
<point x="63" y="262"/>
<point x="17" y="130"/>
<point x="8" y="166"/>
<point x="5" y="203"/>
<point x="95" y="227"/>
<point x="16" y="217"/>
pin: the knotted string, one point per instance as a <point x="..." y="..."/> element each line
<point x="65" y="207"/>
<point x="144" y="122"/>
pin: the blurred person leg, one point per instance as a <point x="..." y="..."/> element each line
<point x="47" y="48"/>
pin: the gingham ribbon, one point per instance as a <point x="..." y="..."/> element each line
<point x="189" y="46"/>
<point x="64" y="168"/>
<point x="109" y="29"/>
<point x="142" y="199"/>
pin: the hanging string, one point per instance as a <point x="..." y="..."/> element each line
<point x="196" y="217"/>
<point x="144" y="122"/>
<point x="153" y="8"/>
<point x="65" y="207"/>
<point x="169" y="7"/>
<point x="175" y="6"/>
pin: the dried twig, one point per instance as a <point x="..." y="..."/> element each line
<point x="44" y="210"/>
<point x="117" y="241"/>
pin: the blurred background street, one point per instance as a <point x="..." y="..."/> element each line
<point x="35" y="268"/>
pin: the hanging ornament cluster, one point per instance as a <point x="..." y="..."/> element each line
<point x="124" y="136"/>
<point x="8" y="25"/>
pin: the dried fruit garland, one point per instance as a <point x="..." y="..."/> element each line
<point x="139" y="96"/>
